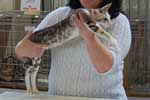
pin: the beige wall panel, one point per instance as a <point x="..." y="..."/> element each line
<point x="6" y="5"/>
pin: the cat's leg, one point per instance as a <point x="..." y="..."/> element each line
<point x="28" y="80"/>
<point x="36" y="64"/>
<point x="33" y="80"/>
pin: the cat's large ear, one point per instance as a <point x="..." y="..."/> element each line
<point x="106" y="7"/>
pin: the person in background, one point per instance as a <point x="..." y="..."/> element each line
<point x="84" y="66"/>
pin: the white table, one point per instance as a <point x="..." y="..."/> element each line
<point x="25" y="96"/>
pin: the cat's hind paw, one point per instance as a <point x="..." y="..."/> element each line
<point x="35" y="92"/>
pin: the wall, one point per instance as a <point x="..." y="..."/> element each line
<point x="137" y="64"/>
<point x="49" y="5"/>
<point x="6" y="5"/>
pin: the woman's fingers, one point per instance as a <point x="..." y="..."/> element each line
<point x="79" y="21"/>
<point x="27" y="36"/>
<point x="76" y="20"/>
<point x="26" y="39"/>
<point x="40" y="45"/>
<point x="81" y="18"/>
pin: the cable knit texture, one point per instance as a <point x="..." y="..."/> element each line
<point x="72" y="72"/>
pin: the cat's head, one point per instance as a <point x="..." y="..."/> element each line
<point x="100" y="15"/>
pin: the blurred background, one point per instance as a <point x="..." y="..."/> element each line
<point x="17" y="17"/>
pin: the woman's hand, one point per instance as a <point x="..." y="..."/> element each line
<point x="85" y="32"/>
<point x="101" y="58"/>
<point x="26" y="48"/>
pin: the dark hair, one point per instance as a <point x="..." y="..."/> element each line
<point x="113" y="11"/>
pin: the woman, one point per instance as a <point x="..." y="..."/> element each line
<point x="84" y="66"/>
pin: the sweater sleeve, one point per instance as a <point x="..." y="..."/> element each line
<point x="121" y="32"/>
<point x="53" y="17"/>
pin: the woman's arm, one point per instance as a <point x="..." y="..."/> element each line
<point x="26" y="48"/>
<point x="102" y="58"/>
<point x="99" y="54"/>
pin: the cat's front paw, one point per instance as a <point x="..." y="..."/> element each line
<point x="35" y="92"/>
<point x="29" y="91"/>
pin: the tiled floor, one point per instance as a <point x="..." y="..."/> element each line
<point x="134" y="98"/>
<point x="4" y="90"/>
<point x="11" y="90"/>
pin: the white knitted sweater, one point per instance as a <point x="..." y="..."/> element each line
<point x="72" y="72"/>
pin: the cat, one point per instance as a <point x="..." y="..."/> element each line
<point x="64" y="31"/>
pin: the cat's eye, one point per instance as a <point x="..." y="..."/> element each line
<point x="105" y="19"/>
<point x="95" y="12"/>
<point x="100" y="11"/>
